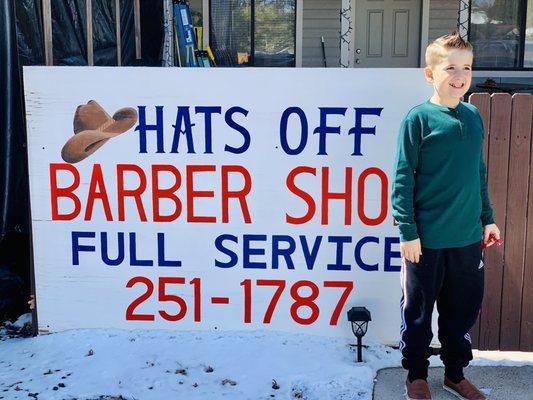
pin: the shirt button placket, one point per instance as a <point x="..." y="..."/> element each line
<point x="460" y="123"/>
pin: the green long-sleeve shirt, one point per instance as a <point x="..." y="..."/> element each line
<point x="439" y="191"/>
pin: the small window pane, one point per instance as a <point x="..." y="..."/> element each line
<point x="274" y="33"/>
<point x="230" y="36"/>
<point x="528" y="52"/>
<point x="495" y="33"/>
<point x="273" y="37"/>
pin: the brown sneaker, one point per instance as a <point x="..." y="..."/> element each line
<point x="417" y="390"/>
<point x="465" y="390"/>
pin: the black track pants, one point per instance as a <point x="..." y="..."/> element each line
<point x="452" y="277"/>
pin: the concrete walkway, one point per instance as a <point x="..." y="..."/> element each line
<point x="498" y="383"/>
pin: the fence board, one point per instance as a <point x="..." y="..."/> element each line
<point x="500" y="122"/>
<point x="482" y="102"/>
<point x="526" y="329"/>
<point x="513" y="273"/>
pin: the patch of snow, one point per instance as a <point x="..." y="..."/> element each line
<point x="22" y="320"/>
<point x="193" y="365"/>
<point x="504" y="358"/>
<point x="189" y="365"/>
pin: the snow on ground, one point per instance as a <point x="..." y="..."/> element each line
<point x="189" y="365"/>
<point x="177" y="365"/>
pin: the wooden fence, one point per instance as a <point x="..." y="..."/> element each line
<point x="506" y="318"/>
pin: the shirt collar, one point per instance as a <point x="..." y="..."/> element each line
<point x="444" y="108"/>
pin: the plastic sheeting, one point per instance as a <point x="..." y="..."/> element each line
<point x="22" y="43"/>
<point x="13" y="170"/>
<point x="29" y="32"/>
<point x="14" y="208"/>
<point x="152" y="32"/>
<point x="14" y="276"/>
<point x="69" y="32"/>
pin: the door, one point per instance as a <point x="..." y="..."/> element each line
<point x="387" y="33"/>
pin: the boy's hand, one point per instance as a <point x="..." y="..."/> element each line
<point x="488" y="230"/>
<point x="412" y="250"/>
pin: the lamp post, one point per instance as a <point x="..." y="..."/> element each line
<point x="359" y="317"/>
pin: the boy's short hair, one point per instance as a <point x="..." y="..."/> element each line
<point x="436" y="50"/>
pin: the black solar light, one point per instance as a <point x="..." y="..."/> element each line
<point x="359" y="317"/>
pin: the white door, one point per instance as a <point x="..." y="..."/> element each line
<point x="387" y="33"/>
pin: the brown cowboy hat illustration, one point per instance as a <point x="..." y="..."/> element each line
<point x="93" y="126"/>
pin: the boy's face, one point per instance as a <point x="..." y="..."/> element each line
<point x="452" y="76"/>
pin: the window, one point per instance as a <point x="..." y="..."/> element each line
<point x="528" y="47"/>
<point x="502" y="34"/>
<point x="259" y="33"/>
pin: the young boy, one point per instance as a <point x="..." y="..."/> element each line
<point x="440" y="201"/>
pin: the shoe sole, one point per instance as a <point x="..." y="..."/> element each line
<point x="449" y="389"/>
<point x="410" y="398"/>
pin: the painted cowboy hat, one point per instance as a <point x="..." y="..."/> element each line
<point x="93" y="126"/>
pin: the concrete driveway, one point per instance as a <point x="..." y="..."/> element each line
<point x="497" y="382"/>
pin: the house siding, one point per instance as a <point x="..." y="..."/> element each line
<point x="443" y="16"/>
<point x="321" y="18"/>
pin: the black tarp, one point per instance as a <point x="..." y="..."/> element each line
<point x="14" y="209"/>
<point x="69" y="32"/>
<point x="22" y="43"/>
<point x="29" y="32"/>
<point x="152" y="32"/>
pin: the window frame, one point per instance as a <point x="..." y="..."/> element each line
<point x="522" y="12"/>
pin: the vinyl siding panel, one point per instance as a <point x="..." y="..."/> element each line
<point x="321" y="18"/>
<point x="443" y="16"/>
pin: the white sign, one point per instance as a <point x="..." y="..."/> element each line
<point x="216" y="198"/>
